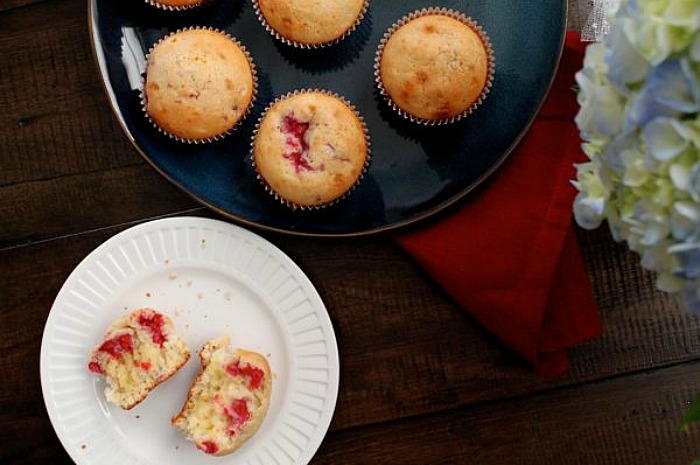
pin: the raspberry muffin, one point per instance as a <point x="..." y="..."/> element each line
<point x="310" y="149"/>
<point x="199" y="84"/>
<point x="228" y="399"/>
<point x="434" y="66"/>
<point x="303" y="23"/>
<point x="139" y="351"/>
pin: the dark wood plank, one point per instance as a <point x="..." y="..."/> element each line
<point x="69" y="204"/>
<point x="628" y="420"/>
<point x="624" y="421"/>
<point x="6" y="5"/>
<point x="55" y="117"/>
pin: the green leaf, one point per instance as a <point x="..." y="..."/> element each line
<point x="692" y="416"/>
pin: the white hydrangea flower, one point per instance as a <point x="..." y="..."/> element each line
<point x="639" y="118"/>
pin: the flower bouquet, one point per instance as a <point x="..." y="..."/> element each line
<point x="639" y="117"/>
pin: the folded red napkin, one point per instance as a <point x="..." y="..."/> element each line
<point x="509" y="255"/>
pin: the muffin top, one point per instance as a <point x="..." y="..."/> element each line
<point x="434" y="67"/>
<point x="310" y="148"/>
<point x="307" y="22"/>
<point x="199" y="84"/>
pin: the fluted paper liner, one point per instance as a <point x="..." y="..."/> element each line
<point x="243" y="116"/>
<point x="264" y="183"/>
<point x="304" y="45"/>
<point x="162" y="6"/>
<point x="471" y="23"/>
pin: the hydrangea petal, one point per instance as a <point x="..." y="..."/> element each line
<point x="663" y="139"/>
<point x="588" y="211"/>
<point x="680" y="176"/>
<point x="625" y="64"/>
<point x="684" y="14"/>
<point x="694" y="51"/>
<point x="644" y="107"/>
<point x="694" y="182"/>
<point x="673" y="87"/>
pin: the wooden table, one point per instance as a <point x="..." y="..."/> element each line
<point x="421" y="382"/>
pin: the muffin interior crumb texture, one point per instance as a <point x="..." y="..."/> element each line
<point x="199" y="84"/>
<point x="434" y="67"/>
<point x="310" y="148"/>
<point x="311" y="22"/>
<point x="228" y="400"/>
<point x="138" y="352"/>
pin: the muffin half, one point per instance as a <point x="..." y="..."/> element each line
<point x="228" y="399"/>
<point x="139" y="351"/>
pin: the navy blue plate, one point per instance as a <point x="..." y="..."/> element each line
<point x="414" y="172"/>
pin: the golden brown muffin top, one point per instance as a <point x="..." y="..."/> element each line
<point x="434" y="67"/>
<point x="199" y="84"/>
<point x="310" y="23"/>
<point x="310" y="148"/>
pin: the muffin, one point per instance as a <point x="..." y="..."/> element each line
<point x="199" y="84"/>
<point x="228" y="399"/>
<point x="139" y="351"/>
<point x="304" y="24"/>
<point x="310" y="148"/>
<point x="434" y="66"/>
<point x="175" y="5"/>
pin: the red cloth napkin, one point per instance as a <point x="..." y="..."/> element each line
<point x="509" y="255"/>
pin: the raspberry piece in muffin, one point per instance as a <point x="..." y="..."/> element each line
<point x="139" y="351"/>
<point x="310" y="149"/>
<point x="228" y="399"/>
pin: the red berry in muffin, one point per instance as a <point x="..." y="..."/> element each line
<point x="139" y="351"/>
<point x="228" y="399"/>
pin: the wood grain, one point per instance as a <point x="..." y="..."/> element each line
<point x="7" y="5"/>
<point x="421" y="381"/>
<point x="66" y="205"/>
<point x="53" y="109"/>
<point x="622" y="421"/>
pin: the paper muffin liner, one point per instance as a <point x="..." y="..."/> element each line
<point x="219" y="136"/>
<point x="459" y="17"/>
<point x="303" y="45"/>
<point x="162" y="6"/>
<point x="269" y="188"/>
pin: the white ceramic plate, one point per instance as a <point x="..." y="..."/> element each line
<point x="211" y="278"/>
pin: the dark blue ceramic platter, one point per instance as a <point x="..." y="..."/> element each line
<point x="415" y="171"/>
